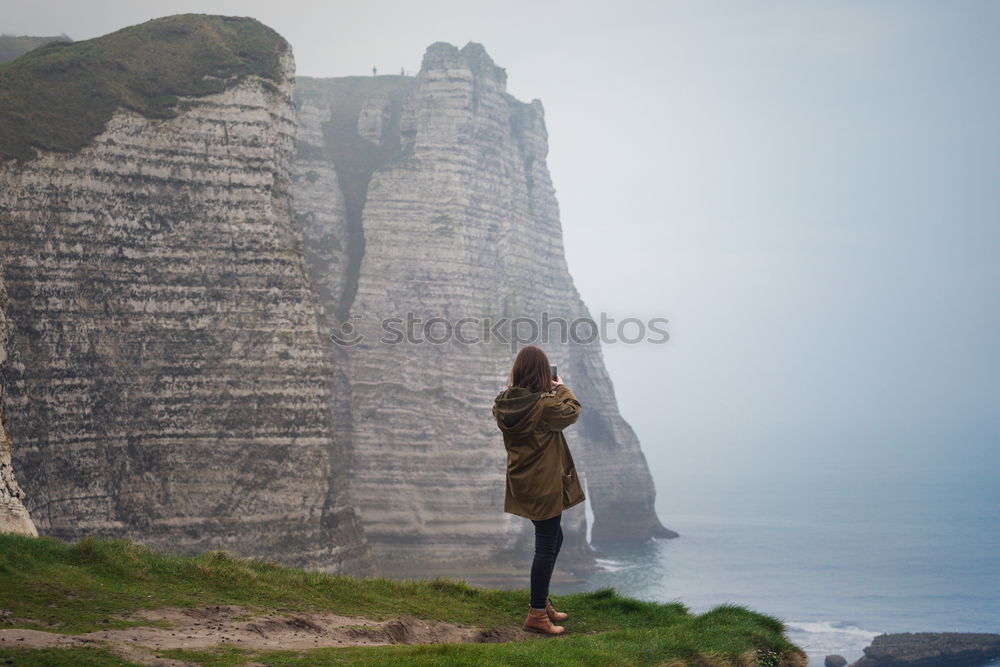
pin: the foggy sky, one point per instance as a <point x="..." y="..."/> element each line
<point x="808" y="191"/>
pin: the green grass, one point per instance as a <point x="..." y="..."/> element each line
<point x="75" y="657"/>
<point x="60" y="95"/>
<point x="93" y="584"/>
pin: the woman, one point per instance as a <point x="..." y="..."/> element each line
<point x="541" y="478"/>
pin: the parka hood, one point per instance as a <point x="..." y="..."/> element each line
<point x="517" y="410"/>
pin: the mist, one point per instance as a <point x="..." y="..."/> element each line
<point x="807" y="191"/>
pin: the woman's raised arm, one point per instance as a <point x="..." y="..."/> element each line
<point x="563" y="412"/>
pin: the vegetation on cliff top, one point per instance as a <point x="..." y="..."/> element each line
<point x="60" y="95"/>
<point x="94" y="584"/>
<point x="14" y="46"/>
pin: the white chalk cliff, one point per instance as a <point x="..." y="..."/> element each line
<point x="14" y="516"/>
<point x="173" y="279"/>
<point x="172" y="383"/>
<point x="430" y="196"/>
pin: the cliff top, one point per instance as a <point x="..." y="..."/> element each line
<point x="442" y="55"/>
<point x="110" y="587"/>
<point x="61" y="94"/>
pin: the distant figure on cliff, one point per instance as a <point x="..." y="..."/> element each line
<point x="374" y="71"/>
<point x="541" y="477"/>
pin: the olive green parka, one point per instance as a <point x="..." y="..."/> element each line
<point x="541" y="476"/>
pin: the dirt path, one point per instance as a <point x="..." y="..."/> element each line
<point x="209" y="627"/>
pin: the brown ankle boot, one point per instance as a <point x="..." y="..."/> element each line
<point x="538" y="621"/>
<point x="554" y="615"/>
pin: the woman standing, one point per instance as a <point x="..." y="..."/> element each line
<point x="541" y="478"/>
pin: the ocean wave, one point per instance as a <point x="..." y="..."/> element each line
<point x="611" y="565"/>
<point x="821" y="638"/>
<point x="831" y="627"/>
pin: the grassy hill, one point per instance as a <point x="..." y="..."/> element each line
<point x="106" y="596"/>
<point x="59" y="95"/>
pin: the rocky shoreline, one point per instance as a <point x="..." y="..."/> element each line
<point x="926" y="649"/>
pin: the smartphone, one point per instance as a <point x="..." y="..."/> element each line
<point x="555" y="374"/>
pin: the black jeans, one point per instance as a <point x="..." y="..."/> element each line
<point x="548" y="539"/>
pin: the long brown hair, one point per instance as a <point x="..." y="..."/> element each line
<point x="531" y="370"/>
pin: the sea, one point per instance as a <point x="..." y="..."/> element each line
<point x="840" y="557"/>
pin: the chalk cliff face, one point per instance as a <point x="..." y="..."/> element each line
<point x="431" y="196"/>
<point x="14" y="517"/>
<point x="174" y="271"/>
<point x="172" y="383"/>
